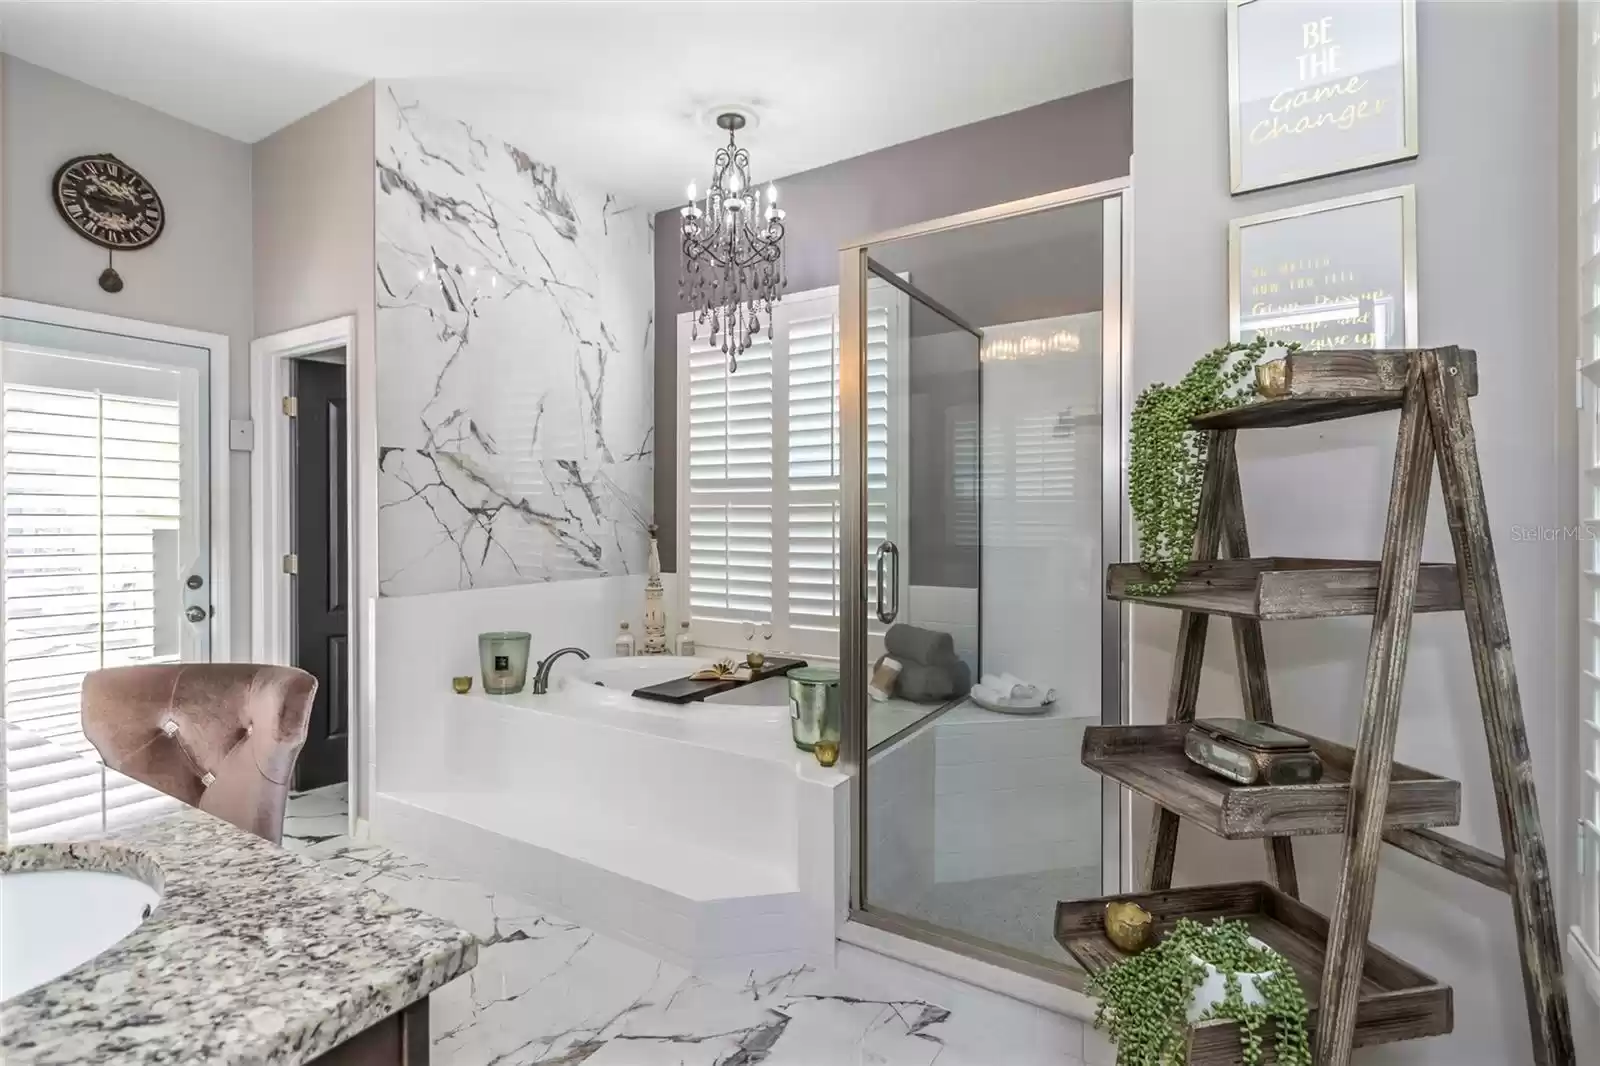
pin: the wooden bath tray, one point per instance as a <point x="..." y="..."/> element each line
<point x="685" y="690"/>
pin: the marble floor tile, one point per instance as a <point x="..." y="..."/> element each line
<point x="314" y="816"/>
<point x="547" y="992"/>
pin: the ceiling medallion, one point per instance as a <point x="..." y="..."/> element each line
<point x="733" y="251"/>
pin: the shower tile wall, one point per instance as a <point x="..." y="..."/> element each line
<point x="1042" y="577"/>
<point x="514" y="341"/>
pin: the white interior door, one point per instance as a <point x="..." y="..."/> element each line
<point x="107" y="549"/>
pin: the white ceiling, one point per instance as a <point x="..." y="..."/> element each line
<point x="617" y="91"/>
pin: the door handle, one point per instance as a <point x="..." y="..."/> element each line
<point x="889" y="550"/>
<point x="195" y="614"/>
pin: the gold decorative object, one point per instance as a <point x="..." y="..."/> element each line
<point x="462" y="685"/>
<point x="826" y="751"/>
<point x="754" y="660"/>
<point x="1129" y="926"/>
<point x="1272" y="379"/>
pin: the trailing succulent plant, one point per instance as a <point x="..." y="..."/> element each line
<point x="1167" y="457"/>
<point x="1144" y="1000"/>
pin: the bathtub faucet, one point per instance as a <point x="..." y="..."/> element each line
<point x="541" y="676"/>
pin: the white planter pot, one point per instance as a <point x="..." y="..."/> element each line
<point x="1214" y="989"/>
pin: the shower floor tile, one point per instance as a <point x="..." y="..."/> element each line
<point x="1017" y="910"/>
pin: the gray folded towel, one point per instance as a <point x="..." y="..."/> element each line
<point x="927" y="684"/>
<point x="913" y="644"/>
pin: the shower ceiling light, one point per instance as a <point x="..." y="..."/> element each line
<point x="1007" y="349"/>
<point x="733" y="252"/>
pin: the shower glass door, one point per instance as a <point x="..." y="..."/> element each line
<point x="982" y="646"/>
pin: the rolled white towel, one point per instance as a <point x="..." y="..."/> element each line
<point x="1013" y="688"/>
<point x="1003" y="684"/>
<point x="986" y="693"/>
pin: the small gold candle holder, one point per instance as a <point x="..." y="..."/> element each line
<point x="462" y="684"/>
<point x="754" y="660"/>
<point x="826" y="751"/>
<point x="1129" y="926"/>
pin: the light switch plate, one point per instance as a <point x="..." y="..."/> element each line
<point x="241" y="435"/>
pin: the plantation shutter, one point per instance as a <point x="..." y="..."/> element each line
<point x="762" y="481"/>
<point x="815" y="532"/>
<point x="92" y="497"/>
<point x="730" y="482"/>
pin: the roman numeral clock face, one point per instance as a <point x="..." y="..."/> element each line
<point x="108" y="202"/>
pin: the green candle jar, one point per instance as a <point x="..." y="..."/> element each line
<point x="504" y="659"/>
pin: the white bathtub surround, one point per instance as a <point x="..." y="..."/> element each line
<point x="699" y="834"/>
<point x="547" y="990"/>
<point x="514" y="334"/>
<point x="424" y="641"/>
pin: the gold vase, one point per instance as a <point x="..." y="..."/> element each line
<point x="1129" y="926"/>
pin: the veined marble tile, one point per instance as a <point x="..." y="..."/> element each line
<point x="314" y="816"/>
<point x="515" y="354"/>
<point x="547" y="992"/>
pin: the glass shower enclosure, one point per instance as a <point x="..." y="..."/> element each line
<point x="982" y="410"/>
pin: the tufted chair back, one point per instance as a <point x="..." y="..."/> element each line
<point x="219" y="736"/>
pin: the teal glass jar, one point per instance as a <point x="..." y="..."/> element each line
<point x="814" y="706"/>
<point x="504" y="659"/>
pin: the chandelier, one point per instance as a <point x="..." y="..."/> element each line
<point x="733" y="262"/>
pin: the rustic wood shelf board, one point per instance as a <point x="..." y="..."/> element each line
<point x="1306" y="387"/>
<point x="1362" y="996"/>
<point x="1396" y="1001"/>
<point x="1149" y="759"/>
<point x="1279" y="588"/>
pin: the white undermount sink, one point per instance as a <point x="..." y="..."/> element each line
<point x="54" y="920"/>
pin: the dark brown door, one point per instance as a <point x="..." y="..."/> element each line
<point x="322" y="544"/>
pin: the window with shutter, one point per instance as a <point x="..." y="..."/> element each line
<point x="760" y="487"/>
<point x="92" y="497"/>
<point x="729" y="504"/>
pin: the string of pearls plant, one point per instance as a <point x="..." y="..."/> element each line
<point x="1167" y="457"/>
<point x="1145" y="999"/>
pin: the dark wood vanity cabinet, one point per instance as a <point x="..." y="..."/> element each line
<point x="401" y="1039"/>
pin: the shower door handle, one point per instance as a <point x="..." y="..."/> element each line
<point x="889" y="550"/>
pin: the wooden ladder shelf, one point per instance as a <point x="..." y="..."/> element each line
<point x="1361" y="994"/>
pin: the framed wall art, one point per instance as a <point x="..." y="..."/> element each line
<point x="1318" y="87"/>
<point x="1335" y="274"/>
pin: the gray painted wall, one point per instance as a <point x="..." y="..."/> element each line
<point x="1487" y="226"/>
<point x="198" y="275"/>
<point x="1574" y="122"/>
<point x="312" y="207"/>
<point x="1074" y="141"/>
<point x="314" y="244"/>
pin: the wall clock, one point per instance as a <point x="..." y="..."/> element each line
<point x="108" y="202"/>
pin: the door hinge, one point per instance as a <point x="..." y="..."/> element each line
<point x="291" y="564"/>
<point x="291" y="406"/>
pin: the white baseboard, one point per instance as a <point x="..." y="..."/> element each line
<point x="985" y="975"/>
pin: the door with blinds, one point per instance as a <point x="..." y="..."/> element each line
<point x="107" y="551"/>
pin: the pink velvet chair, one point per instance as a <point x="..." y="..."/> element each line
<point x="219" y="736"/>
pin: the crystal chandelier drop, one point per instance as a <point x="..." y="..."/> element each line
<point x="733" y="261"/>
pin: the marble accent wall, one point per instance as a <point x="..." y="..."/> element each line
<point x="514" y="347"/>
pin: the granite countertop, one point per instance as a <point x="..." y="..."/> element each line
<point x="253" y="957"/>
